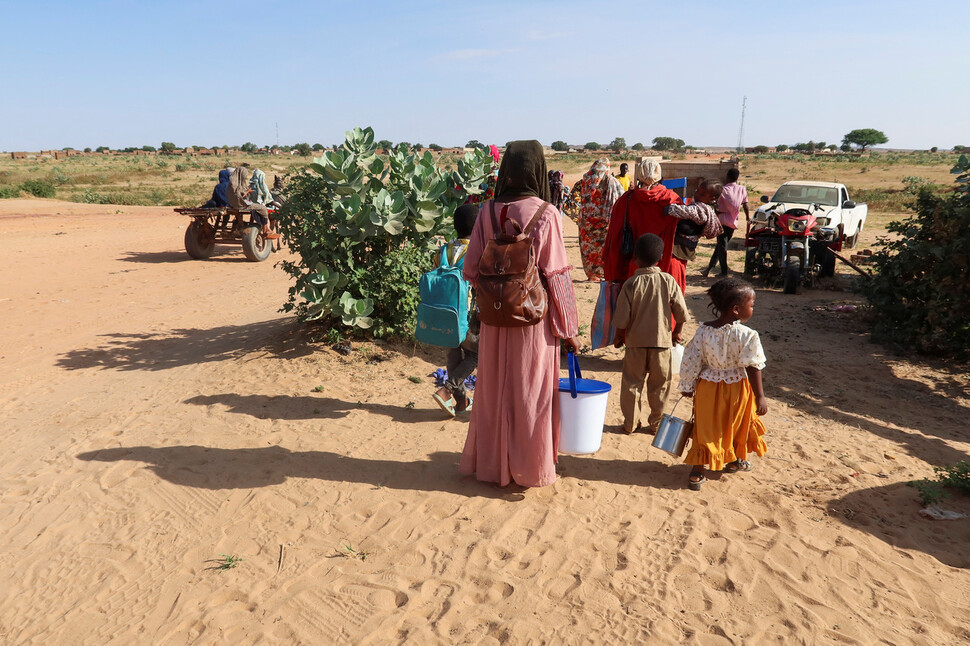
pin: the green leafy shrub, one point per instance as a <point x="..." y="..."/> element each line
<point x="920" y="292"/>
<point x="8" y="192"/>
<point x="364" y="228"/>
<point x="39" y="187"/>
<point x="955" y="477"/>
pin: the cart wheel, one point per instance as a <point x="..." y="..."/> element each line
<point x="255" y="245"/>
<point x="199" y="240"/>
<point x="749" y="260"/>
<point x="793" y="275"/>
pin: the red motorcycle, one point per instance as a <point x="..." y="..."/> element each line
<point x="790" y="245"/>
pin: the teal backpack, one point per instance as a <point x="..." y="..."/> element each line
<point x="443" y="310"/>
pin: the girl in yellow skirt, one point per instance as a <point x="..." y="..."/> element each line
<point x="721" y="370"/>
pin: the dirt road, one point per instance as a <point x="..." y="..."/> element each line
<point x="160" y="413"/>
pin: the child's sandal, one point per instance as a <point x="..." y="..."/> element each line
<point x="447" y="405"/>
<point x="737" y="465"/>
<point x="695" y="480"/>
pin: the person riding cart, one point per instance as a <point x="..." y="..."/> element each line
<point x="238" y="198"/>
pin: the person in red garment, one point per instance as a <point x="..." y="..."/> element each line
<point x="644" y="208"/>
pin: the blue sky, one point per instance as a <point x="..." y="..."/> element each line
<point x="434" y="71"/>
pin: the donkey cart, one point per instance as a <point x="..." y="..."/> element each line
<point x="225" y="226"/>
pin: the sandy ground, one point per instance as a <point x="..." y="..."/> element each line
<point x="159" y="412"/>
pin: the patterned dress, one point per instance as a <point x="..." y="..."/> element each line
<point x="598" y="192"/>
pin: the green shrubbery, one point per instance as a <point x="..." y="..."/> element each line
<point x="921" y="289"/>
<point x="39" y="187"/>
<point x="956" y="477"/>
<point x="364" y="228"/>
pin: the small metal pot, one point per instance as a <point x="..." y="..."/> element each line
<point x="673" y="433"/>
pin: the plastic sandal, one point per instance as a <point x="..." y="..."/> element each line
<point x="737" y="465"/>
<point x="695" y="485"/>
<point x="447" y="405"/>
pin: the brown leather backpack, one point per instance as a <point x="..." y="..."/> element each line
<point x="510" y="291"/>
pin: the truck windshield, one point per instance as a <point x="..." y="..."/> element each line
<point x="800" y="194"/>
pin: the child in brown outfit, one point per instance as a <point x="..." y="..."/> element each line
<point x="642" y="321"/>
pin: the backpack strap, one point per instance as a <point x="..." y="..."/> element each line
<point x="497" y="226"/>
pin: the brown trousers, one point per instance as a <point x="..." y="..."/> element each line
<point x="652" y="367"/>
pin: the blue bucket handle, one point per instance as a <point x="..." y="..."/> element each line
<point x="574" y="373"/>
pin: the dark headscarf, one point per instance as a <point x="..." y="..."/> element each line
<point x="523" y="172"/>
<point x="219" y="192"/>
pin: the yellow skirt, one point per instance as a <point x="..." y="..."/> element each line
<point x="726" y="424"/>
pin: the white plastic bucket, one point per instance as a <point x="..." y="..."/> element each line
<point x="582" y="411"/>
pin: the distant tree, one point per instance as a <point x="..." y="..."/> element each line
<point x="385" y="144"/>
<point x="803" y="147"/>
<point x="845" y="148"/>
<point x="434" y="147"/>
<point x="417" y="148"/>
<point x="317" y="147"/>
<point x="560" y="146"/>
<point x="304" y="149"/>
<point x="760" y="149"/>
<point x="934" y="149"/>
<point x="167" y="147"/>
<point x="781" y="147"/>
<point x="618" y="144"/>
<point x="667" y="143"/>
<point x="637" y="146"/>
<point x="959" y="149"/>
<point x="475" y="143"/>
<point x="865" y="138"/>
<point x="592" y="145"/>
<point x="67" y="148"/>
<point x="285" y="149"/>
<point x="101" y="149"/>
<point x="87" y="150"/>
<point x="248" y="147"/>
<point x="833" y="147"/>
<point x="148" y="149"/>
<point x="821" y="145"/>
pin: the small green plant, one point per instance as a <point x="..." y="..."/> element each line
<point x="334" y="336"/>
<point x="583" y="329"/>
<point x="227" y="562"/>
<point x="956" y="477"/>
<point x="352" y="552"/>
<point x="409" y="405"/>
<point x="415" y="380"/>
<point x="318" y="389"/>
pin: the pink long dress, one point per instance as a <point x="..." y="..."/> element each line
<point x="514" y="428"/>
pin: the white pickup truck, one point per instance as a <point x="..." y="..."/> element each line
<point x="839" y="212"/>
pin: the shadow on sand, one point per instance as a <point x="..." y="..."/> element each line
<point x="182" y="347"/>
<point x="205" y="467"/>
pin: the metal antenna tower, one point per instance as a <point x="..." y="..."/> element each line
<point x="744" y="105"/>
<point x="277" y="134"/>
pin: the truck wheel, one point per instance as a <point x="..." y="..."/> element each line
<point x="850" y="241"/>
<point x="793" y="276"/>
<point x="827" y="264"/>
<point x="255" y="245"/>
<point x="749" y="260"/>
<point x="199" y="240"/>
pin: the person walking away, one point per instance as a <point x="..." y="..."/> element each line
<point x="695" y="220"/>
<point x="643" y="208"/>
<point x="513" y="434"/>
<point x="623" y="178"/>
<point x="453" y="397"/>
<point x="598" y="192"/>
<point x="642" y="321"/>
<point x="721" y="370"/>
<point x="734" y="197"/>
<point x="557" y="190"/>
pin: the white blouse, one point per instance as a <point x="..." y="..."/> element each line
<point x="720" y="354"/>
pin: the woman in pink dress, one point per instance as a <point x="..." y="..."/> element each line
<point x="514" y="430"/>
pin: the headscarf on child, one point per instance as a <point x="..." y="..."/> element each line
<point x="522" y="172"/>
